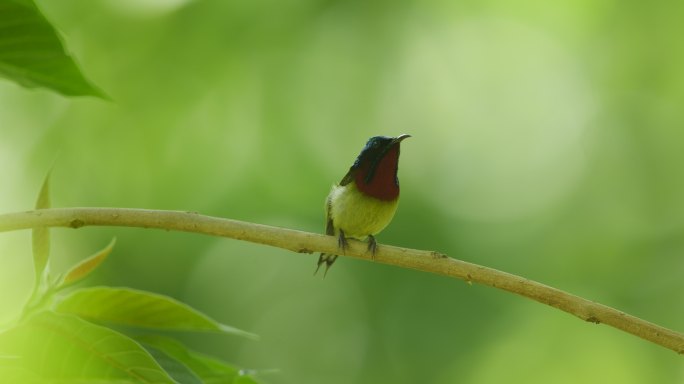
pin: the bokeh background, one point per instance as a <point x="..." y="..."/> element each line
<point x="548" y="141"/>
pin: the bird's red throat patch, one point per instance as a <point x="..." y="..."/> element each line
<point x="383" y="185"/>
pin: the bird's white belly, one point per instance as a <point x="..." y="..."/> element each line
<point x="359" y="215"/>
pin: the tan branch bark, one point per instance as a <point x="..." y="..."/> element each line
<point x="305" y="242"/>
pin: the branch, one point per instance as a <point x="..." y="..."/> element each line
<point x="305" y="242"/>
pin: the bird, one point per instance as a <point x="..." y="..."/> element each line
<point x="364" y="202"/>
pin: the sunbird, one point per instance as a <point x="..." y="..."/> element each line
<point x="364" y="202"/>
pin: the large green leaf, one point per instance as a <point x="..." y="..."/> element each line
<point x="130" y="307"/>
<point x="63" y="348"/>
<point x="32" y="54"/>
<point x="210" y="370"/>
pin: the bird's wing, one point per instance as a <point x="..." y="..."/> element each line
<point x="349" y="177"/>
<point x="329" y="229"/>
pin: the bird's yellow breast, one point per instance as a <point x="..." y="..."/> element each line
<point x="358" y="215"/>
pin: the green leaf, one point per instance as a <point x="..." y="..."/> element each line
<point x="176" y="369"/>
<point x="85" y="267"/>
<point x="11" y="374"/>
<point x="32" y="54"/>
<point x="210" y="370"/>
<point x="244" y="380"/>
<point x="130" y="307"/>
<point x="64" y="348"/>
<point x="41" y="236"/>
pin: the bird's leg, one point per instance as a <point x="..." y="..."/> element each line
<point x="372" y="246"/>
<point x="342" y="242"/>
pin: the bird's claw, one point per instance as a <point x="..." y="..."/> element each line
<point x="342" y="242"/>
<point x="372" y="246"/>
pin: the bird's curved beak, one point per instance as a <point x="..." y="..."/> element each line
<point x="399" y="138"/>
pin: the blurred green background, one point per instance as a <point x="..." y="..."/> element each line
<point x="548" y="142"/>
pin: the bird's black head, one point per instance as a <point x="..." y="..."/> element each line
<point x="375" y="147"/>
<point x="375" y="150"/>
<point x="380" y="156"/>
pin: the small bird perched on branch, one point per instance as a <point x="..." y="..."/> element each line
<point x="364" y="202"/>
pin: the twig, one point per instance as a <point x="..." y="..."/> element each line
<point x="305" y="242"/>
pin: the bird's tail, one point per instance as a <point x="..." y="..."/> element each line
<point x="328" y="259"/>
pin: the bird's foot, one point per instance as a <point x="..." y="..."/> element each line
<point x="342" y="242"/>
<point x="372" y="246"/>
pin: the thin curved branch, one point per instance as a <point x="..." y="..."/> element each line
<point x="305" y="242"/>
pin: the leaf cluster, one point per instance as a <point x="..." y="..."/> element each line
<point x="79" y="335"/>
<point x="105" y="334"/>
